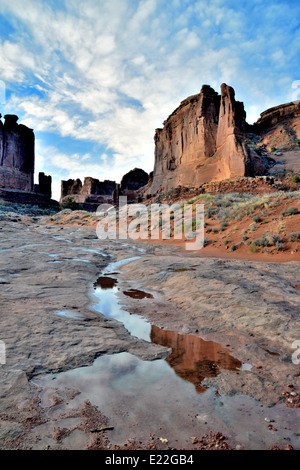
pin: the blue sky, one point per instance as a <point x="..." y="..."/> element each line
<point x="94" y="79"/>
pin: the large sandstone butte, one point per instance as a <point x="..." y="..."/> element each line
<point x="204" y="140"/>
<point x="16" y="155"/>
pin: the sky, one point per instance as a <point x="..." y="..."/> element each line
<point x="94" y="79"/>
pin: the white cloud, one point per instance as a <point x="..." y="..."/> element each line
<point x="111" y="72"/>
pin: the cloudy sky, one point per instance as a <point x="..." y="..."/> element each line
<point x="95" y="78"/>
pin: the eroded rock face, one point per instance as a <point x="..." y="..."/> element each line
<point x="274" y="115"/>
<point x="203" y="140"/>
<point x="279" y="127"/>
<point x="16" y="155"/>
<point x="90" y="194"/>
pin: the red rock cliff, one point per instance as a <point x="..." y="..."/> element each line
<point x="202" y="141"/>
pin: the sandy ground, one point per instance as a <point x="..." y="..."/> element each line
<point x="251" y="306"/>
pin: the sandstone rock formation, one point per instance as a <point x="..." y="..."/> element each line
<point x="203" y="140"/>
<point x="90" y="194"/>
<point x="130" y="184"/>
<point x="279" y="127"/>
<point x="16" y="155"/>
<point x="44" y="185"/>
<point x="134" y="180"/>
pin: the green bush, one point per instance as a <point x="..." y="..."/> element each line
<point x="273" y="149"/>
<point x="267" y="240"/>
<point x="253" y="247"/>
<point x="295" y="179"/>
<point x="69" y="203"/>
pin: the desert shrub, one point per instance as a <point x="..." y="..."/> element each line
<point x="294" y="237"/>
<point x="295" y="179"/>
<point x="273" y="149"/>
<point x="268" y="240"/>
<point x="210" y="211"/>
<point x="252" y="227"/>
<point x="257" y="218"/>
<point x="253" y="247"/>
<point x="290" y="211"/>
<point x="234" y="247"/>
<point x="69" y="203"/>
<point x="223" y="226"/>
<point x="279" y="245"/>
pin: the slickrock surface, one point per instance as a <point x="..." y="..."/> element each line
<point x="251" y="307"/>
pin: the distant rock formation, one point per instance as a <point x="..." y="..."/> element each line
<point x="202" y="141"/>
<point x="16" y="155"/>
<point x="44" y="186"/>
<point x="130" y="184"/>
<point x="279" y="127"/>
<point x="133" y="180"/>
<point x="89" y="194"/>
<point x="273" y="116"/>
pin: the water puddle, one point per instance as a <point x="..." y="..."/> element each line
<point x="70" y="314"/>
<point x="272" y="353"/>
<point x="148" y="397"/>
<point x="192" y="358"/>
<point x="164" y="397"/>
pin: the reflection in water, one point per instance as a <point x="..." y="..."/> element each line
<point x="106" y="290"/>
<point x="272" y="353"/>
<point x="137" y="294"/>
<point x="105" y="282"/>
<point x="192" y="358"/>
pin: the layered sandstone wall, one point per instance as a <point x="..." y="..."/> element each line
<point x="16" y="155"/>
<point x="89" y="194"/>
<point x="275" y="115"/>
<point x="203" y="140"/>
<point x="90" y="187"/>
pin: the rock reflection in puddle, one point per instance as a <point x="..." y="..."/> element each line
<point x="105" y="282"/>
<point x="272" y="353"/>
<point x="192" y="358"/>
<point x="106" y="289"/>
<point x="137" y="294"/>
<point x="147" y="397"/>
